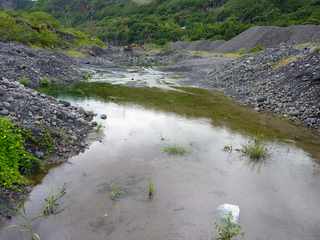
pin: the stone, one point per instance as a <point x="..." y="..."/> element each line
<point x="4" y="112"/>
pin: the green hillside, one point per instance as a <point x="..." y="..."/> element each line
<point x="41" y="30"/>
<point x="159" y="21"/>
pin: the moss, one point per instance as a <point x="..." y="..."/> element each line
<point x="199" y="103"/>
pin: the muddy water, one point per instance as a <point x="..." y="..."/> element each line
<point x="278" y="198"/>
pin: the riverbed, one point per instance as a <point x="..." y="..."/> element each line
<point x="278" y="196"/>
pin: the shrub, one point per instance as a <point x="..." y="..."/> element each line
<point x="14" y="159"/>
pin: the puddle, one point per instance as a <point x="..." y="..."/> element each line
<point x="278" y="199"/>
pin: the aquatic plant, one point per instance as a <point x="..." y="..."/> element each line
<point x="99" y="127"/>
<point x="25" y="222"/>
<point x="255" y="150"/>
<point x="227" y="229"/>
<point x="151" y="189"/>
<point x="25" y="81"/>
<point x="175" y="150"/>
<point x="116" y="192"/>
<point x="52" y="202"/>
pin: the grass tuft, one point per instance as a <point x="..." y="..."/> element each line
<point x="255" y="150"/>
<point x="227" y="229"/>
<point x="52" y="202"/>
<point x="151" y="189"/>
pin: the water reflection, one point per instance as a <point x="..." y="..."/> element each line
<point x="278" y="198"/>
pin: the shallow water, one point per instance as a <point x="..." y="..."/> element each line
<point x="134" y="76"/>
<point x="278" y="198"/>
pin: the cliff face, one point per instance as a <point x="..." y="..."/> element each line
<point x="8" y="4"/>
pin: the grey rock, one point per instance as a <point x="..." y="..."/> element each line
<point x="4" y="112"/>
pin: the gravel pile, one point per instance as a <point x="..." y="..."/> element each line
<point x="19" y="62"/>
<point x="57" y="123"/>
<point x="282" y="80"/>
<point x="268" y="37"/>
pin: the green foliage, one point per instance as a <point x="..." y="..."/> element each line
<point x="227" y="229"/>
<point x="15" y="161"/>
<point x="160" y="21"/>
<point x="255" y="150"/>
<point x="41" y="30"/>
<point x="175" y="150"/>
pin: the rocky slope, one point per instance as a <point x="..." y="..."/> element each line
<point x="21" y="63"/>
<point x="259" y="36"/>
<point x="284" y="80"/>
<point x="54" y="130"/>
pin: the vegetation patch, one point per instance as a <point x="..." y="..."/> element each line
<point x="255" y="150"/>
<point x="15" y="161"/>
<point x="39" y="29"/>
<point x="25" y="81"/>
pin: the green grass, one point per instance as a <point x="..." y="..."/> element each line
<point x="255" y="150"/>
<point x="198" y="103"/>
<point x="175" y="150"/>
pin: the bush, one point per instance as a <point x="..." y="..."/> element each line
<point x="15" y="161"/>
